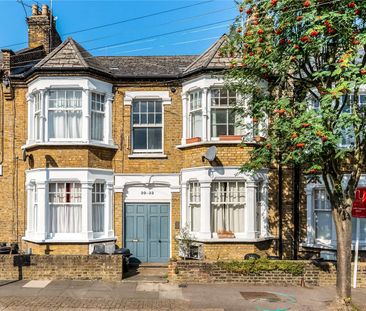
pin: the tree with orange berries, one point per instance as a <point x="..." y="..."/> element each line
<point x="301" y="67"/>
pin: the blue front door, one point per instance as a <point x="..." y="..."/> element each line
<point x="147" y="231"/>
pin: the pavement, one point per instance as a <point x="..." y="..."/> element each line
<point x="98" y="295"/>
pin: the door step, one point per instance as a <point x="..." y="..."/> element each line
<point x="153" y="265"/>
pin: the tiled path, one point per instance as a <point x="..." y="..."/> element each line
<point x="113" y="296"/>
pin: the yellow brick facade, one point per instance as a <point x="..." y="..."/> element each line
<point x="12" y="183"/>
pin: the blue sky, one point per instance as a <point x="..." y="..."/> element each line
<point x="79" y="15"/>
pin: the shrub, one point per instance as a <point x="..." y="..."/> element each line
<point x="295" y="268"/>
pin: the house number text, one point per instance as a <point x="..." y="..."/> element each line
<point x="147" y="192"/>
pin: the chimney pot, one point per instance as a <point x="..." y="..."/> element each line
<point x="45" y="9"/>
<point x="35" y="9"/>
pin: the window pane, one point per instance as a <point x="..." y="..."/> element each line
<point x="324" y="225"/>
<point x="158" y="119"/>
<point x="140" y="138"/>
<point x="150" y="106"/>
<point x="136" y="118"/>
<point x="151" y="118"/>
<point x="218" y="130"/>
<point x="195" y="218"/>
<point x="143" y="118"/>
<point x="143" y="106"/>
<point x="196" y="124"/>
<point x="136" y="107"/>
<point x="158" y="107"/>
<point x="154" y="138"/>
<point x="219" y="116"/>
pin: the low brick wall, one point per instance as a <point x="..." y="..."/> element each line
<point x="210" y="272"/>
<point x="64" y="267"/>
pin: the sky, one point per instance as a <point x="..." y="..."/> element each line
<point x="181" y="31"/>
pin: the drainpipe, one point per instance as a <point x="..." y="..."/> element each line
<point x="296" y="209"/>
<point x="280" y="207"/>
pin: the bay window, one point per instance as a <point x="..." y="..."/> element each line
<point x="321" y="226"/>
<point x="97" y="116"/>
<point x="194" y="202"/>
<point x="222" y="112"/>
<point x="61" y="210"/>
<point x="64" y="208"/>
<point x="227" y="204"/>
<point x="68" y="111"/>
<point x="98" y="197"/>
<point x="147" y="126"/>
<point x="64" y="114"/>
<point x="37" y="118"/>
<point x="195" y="114"/>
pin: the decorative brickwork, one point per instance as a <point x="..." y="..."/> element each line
<point x="210" y="272"/>
<point x="93" y="267"/>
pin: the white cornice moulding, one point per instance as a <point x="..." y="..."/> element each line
<point x="159" y="95"/>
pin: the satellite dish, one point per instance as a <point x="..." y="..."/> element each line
<point x="24" y="155"/>
<point x="210" y="155"/>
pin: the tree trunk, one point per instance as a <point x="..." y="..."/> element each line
<point x="344" y="254"/>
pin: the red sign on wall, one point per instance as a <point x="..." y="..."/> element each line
<point x="359" y="204"/>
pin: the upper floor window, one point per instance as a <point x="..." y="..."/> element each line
<point x="37" y="118"/>
<point x="222" y="112"/>
<point x="195" y="114"/>
<point x="72" y="110"/>
<point x="97" y="116"/>
<point x="227" y="203"/>
<point x="147" y="126"/>
<point x="65" y="114"/>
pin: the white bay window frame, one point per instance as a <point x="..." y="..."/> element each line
<point x="41" y="88"/>
<point x="38" y="183"/>
<point x="256" y="189"/>
<point x="311" y="239"/>
<point x="205" y="84"/>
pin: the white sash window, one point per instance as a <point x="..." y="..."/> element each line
<point x="65" y="114"/>
<point x="222" y="112"/>
<point x="98" y="201"/>
<point x="194" y="202"/>
<point x="195" y="114"/>
<point x="37" y="118"/>
<point x="65" y="207"/>
<point x="147" y="126"/>
<point x="97" y="116"/>
<point x="227" y="204"/>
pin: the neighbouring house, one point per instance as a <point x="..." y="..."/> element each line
<point x="112" y="150"/>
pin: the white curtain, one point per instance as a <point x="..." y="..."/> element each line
<point x="97" y="125"/>
<point x="195" y="217"/>
<point x="196" y="125"/>
<point x="65" y="218"/>
<point x="98" y="217"/>
<point x="228" y="217"/>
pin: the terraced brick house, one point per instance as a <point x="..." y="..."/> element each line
<point x="110" y="151"/>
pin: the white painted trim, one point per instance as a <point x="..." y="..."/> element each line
<point x="205" y="176"/>
<point x="212" y="142"/>
<point x="87" y="86"/>
<point x="86" y="176"/>
<point x="130" y="96"/>
<point x="70" y="143"/>
<point x="147" y="156"/>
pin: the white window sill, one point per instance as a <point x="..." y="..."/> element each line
<point x="329" y="246"/>
<point x="233" y="240"/>
<point x="211" y="142"/>
<point x="71" y="241"/>
<point x="147" y="156"/>
<point x="69" y="143"/>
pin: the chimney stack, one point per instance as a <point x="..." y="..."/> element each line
<point x="42" y="29"/>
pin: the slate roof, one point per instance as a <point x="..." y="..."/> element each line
<point x="25" y="59"/>
<point x="71" y="55"/>
<point x="145" y="66"/>
<point x="211" y="58"/>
